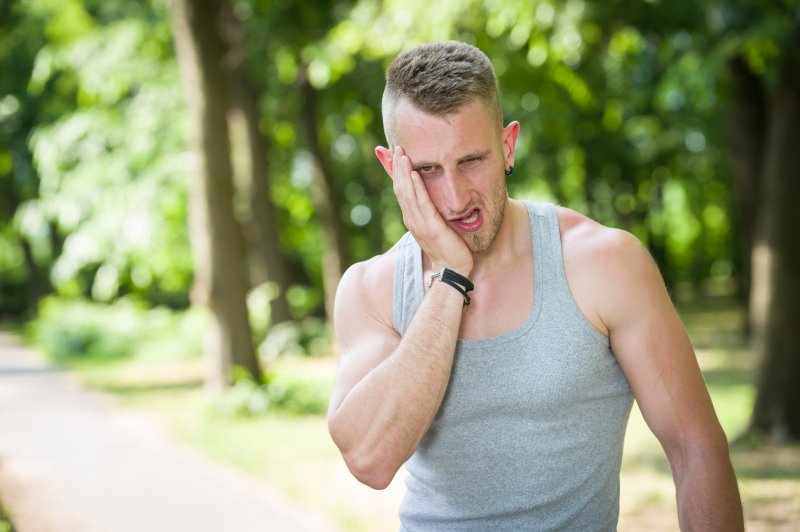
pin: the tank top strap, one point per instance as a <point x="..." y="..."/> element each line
<point x="547" y="243"/>
<point x="557" y="296"/>
<point x="408" y="290"/>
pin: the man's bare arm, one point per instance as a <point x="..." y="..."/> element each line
<point x="655" y="353"/>
<point x="388" y="390"/>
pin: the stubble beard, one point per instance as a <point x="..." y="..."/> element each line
<point x="493" y="212"/>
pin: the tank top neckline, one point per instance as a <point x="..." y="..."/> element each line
<point x="538" y="272"/>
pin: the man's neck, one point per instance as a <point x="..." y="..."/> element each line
<point x="511" y="240"/>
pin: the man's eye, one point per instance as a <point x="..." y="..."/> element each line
<point x="426" y="170"/>
<point x="472" y="161"/>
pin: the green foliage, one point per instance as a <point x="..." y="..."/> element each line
<point x="113" y="170"/>
<point x="70" y="330"/>
<point x="307" y="337"/>
<point x="78" y="331"/>
<point x="105" y="153"/>
<point x="290" y="393"/>
<point x="5" y="520"/>
<point x="282" y="390"/>
<point x="300" y="396"/>
<point x="19" y="42"/>
<point x="620" y="105"/>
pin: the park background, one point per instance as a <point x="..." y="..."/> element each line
<point x="184" y="183"/>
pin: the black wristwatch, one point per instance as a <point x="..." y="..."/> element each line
<point x="456" y="280"/>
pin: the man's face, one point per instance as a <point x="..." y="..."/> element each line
<point x="461" y="159"/>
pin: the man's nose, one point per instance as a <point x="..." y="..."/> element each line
<point x="456" y="193"/>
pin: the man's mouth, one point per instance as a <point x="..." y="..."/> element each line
<point x="469" y="223"/>
<point x="470" y="218"/>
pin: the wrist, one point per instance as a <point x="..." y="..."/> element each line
<point x="457" y="281"/>
<point x="461" y="269"/>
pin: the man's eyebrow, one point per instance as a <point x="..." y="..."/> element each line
<point x="422" y="164"/>
<point x="475" y="155"/>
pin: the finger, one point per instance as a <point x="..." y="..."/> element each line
<point x="401" y="170"/>
<point x="426" y="206"/>
<point x="404" y="188"/>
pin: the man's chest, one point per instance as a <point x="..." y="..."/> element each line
<point x="500" y="304"/>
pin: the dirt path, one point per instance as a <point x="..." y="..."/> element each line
<point x="70" y="460"/>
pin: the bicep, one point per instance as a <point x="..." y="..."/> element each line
<point x="658" y="360"/>
<point x="656" y="355"/>
<point x="363" y="336"/>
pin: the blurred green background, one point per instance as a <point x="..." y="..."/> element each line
<point x="187" y="181"/>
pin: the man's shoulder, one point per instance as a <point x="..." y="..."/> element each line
<point x="374" y="272"/>
<point x="609" y="270"/>
<point x="587" y="239"/>
<point x="369" y="284"/>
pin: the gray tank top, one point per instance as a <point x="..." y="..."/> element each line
<point x="529" y="434"/>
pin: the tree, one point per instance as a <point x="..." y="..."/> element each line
<point x="221" y="276"/>
<point x="335" y="257"/>
<point x="620" y="104"/>
<point x="774" y="107"/>
<point x="98" y="173"/>
<point x="20" y="286"/>
<point x="302" y="151"/>
<point x="254" y="168"/>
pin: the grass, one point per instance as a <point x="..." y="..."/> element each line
<point x="296" y="455"/>
<point x="5" y="520"/>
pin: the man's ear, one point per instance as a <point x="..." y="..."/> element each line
<point x="510" y="134"/>
<point x="385" y="157"/>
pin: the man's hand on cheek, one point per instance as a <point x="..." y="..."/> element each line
<point x="439" y="242"/>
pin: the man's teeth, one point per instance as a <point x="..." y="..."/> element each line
<point x="471" y="218"/>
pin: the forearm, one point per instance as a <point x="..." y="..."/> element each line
<point x="707" y="493"/>
<point x="383" y="418"/>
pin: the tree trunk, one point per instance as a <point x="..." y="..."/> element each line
<point x="216" y="236"/>
<point x="38" y="281"/>
<point x="38" y="278"/>
<point x="776" y="264"/>
<point x="745" y="125"/>
<point x="255" y="170"/>
<point x="335" y="257"/>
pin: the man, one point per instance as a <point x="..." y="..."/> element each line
<point x="497" y="347"/>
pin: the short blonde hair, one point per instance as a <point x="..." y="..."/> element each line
<point x="438" y="78"/>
